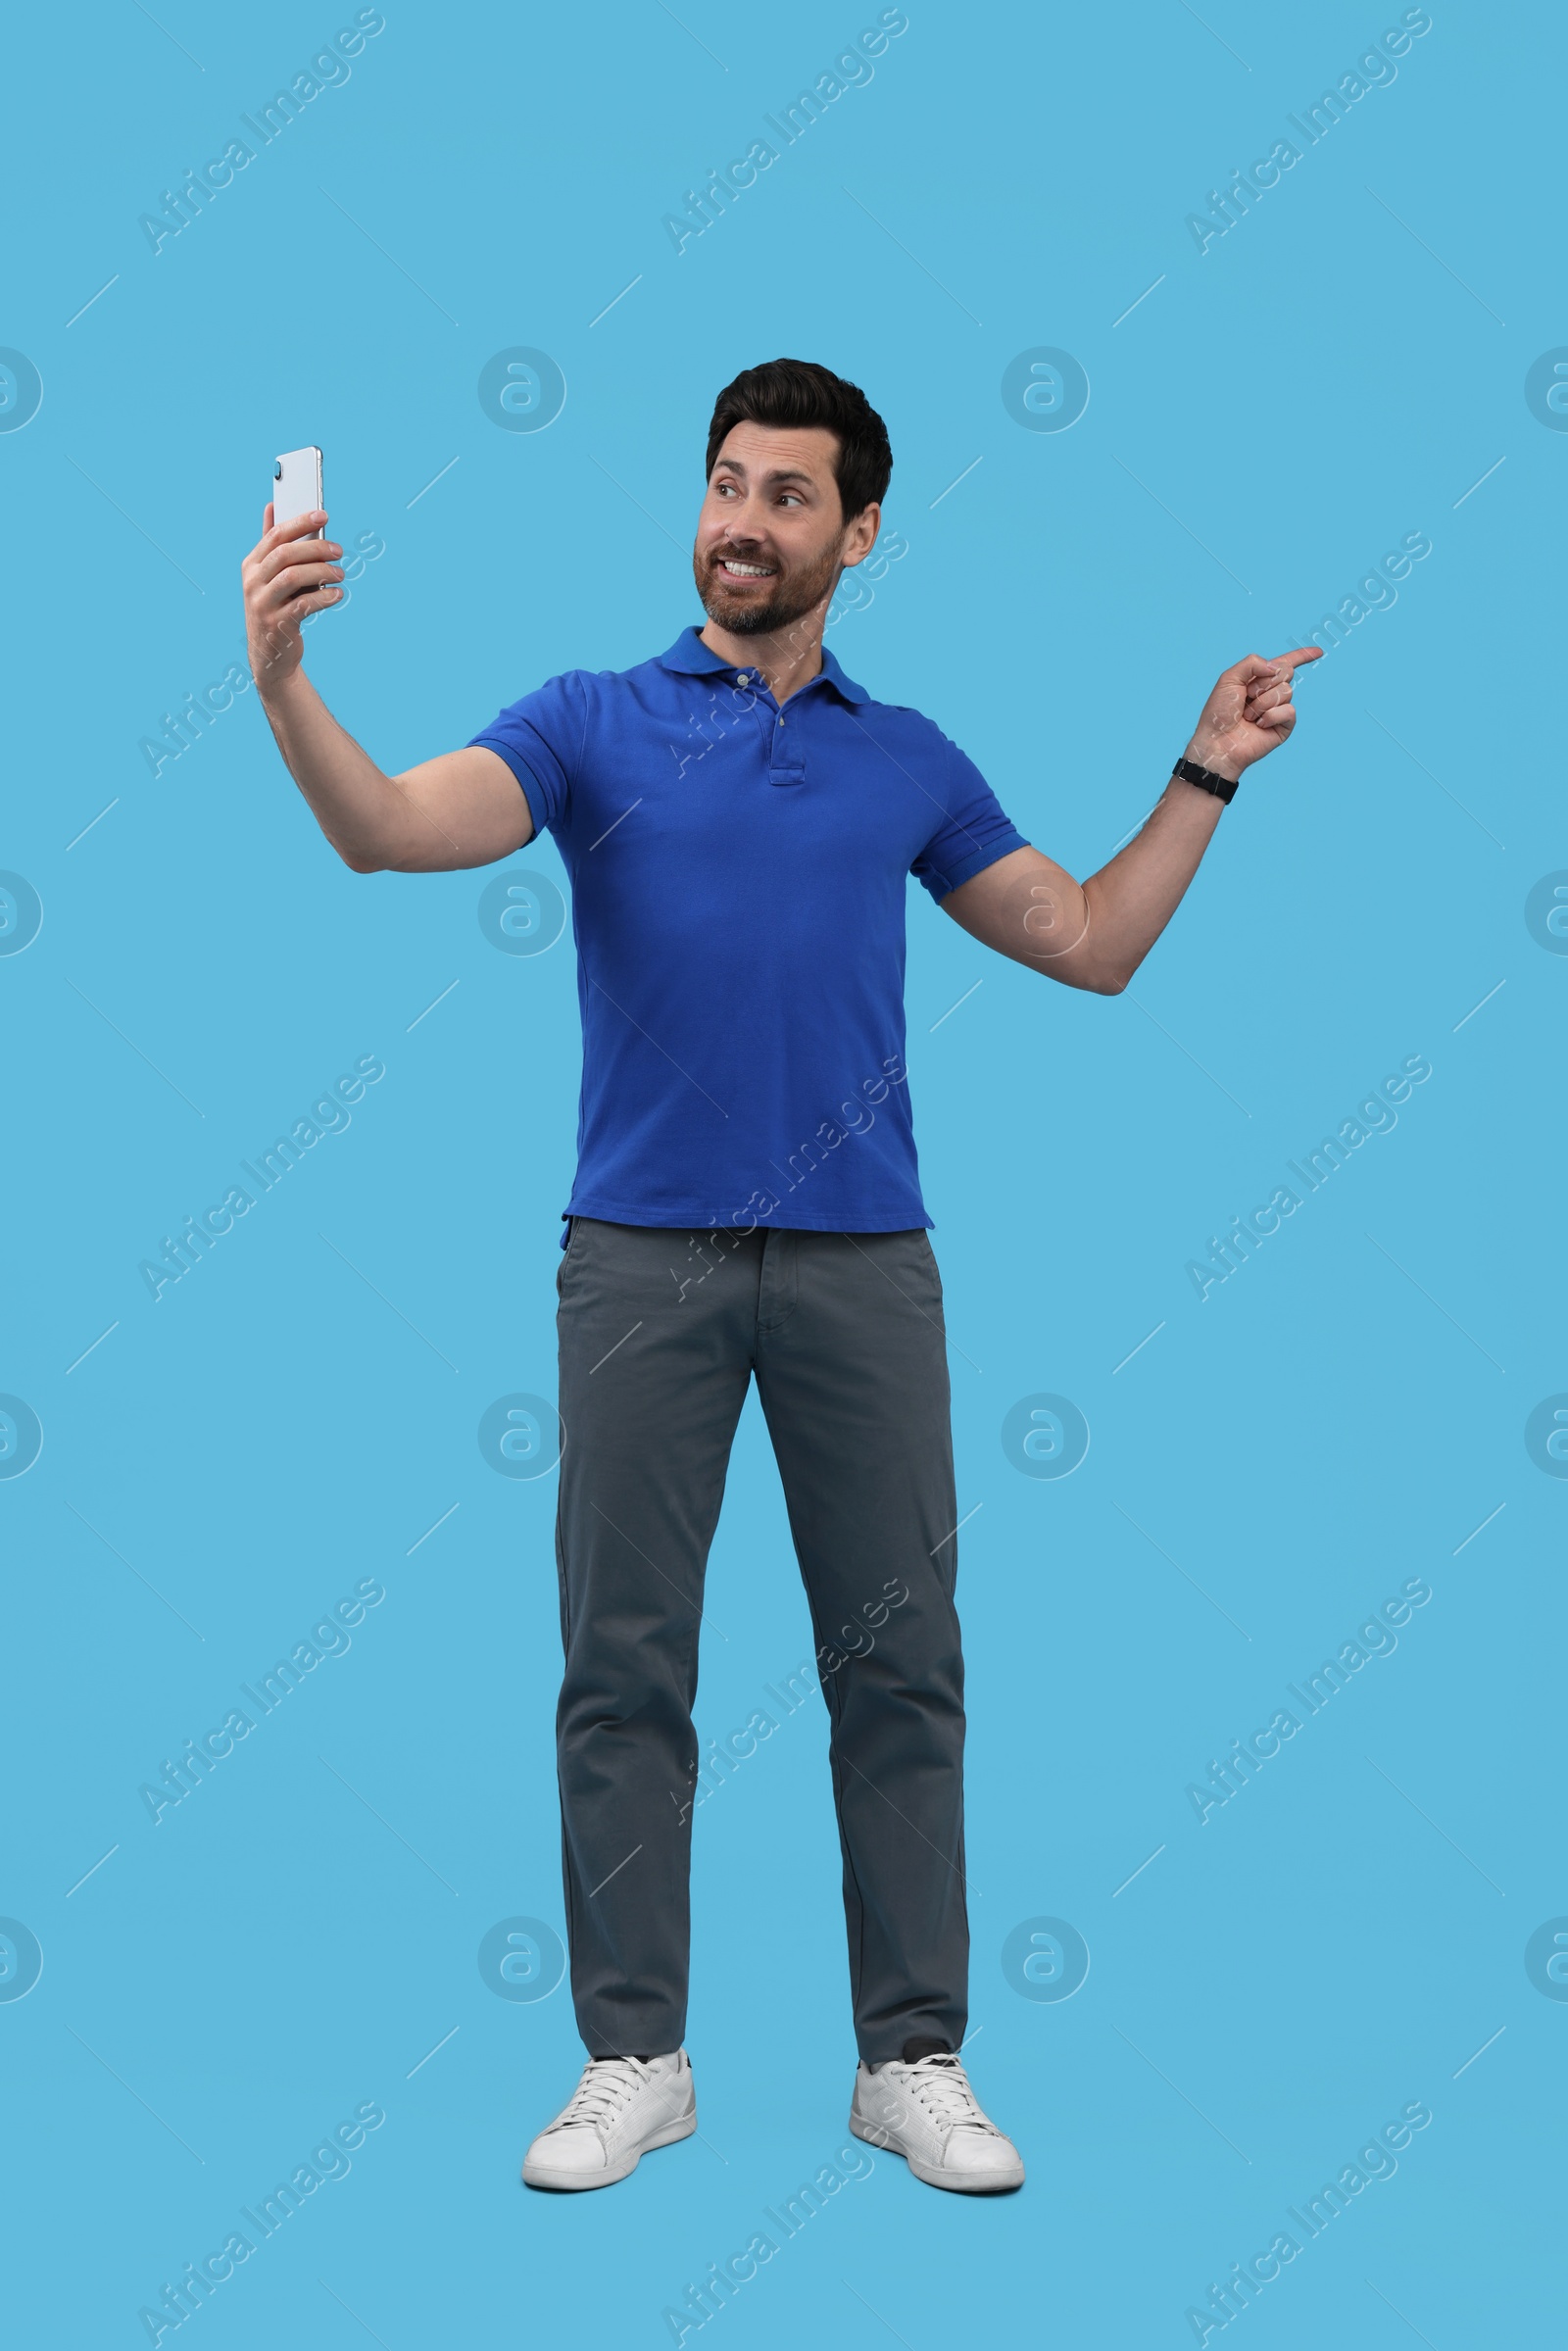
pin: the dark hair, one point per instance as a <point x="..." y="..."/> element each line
<point x="797" y="392"/>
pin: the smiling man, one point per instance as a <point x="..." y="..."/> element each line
<point x="738" y="819"/>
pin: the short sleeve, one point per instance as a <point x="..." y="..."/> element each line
<point x="541" y="740"/>
<point x="973" y="832"/>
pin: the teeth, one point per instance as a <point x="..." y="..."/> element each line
<point x="746" y="570"/>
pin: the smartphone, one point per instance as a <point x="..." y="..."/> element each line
<point x="297" y="486"/>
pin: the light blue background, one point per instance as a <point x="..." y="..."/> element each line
<point x="1337" y="1417"/>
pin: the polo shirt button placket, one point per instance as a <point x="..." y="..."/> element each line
<point x="788" y="759"/>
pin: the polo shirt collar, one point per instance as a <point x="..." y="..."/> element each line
<point x="690" y="657"/>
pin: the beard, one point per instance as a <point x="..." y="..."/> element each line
<point x="746" y="612"/>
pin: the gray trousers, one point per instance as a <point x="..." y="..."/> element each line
<point x="661" y="1331"/>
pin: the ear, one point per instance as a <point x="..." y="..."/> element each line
<point x="861" y="535"/>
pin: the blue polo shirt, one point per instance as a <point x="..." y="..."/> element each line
<point x="738" y="877"/>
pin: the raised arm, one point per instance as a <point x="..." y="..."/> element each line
<point x="463" y="807"/>
<point x="1094" y="934"/>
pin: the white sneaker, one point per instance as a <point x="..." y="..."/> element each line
<point x="621" y="2107"/>
<point x="928" y="2114"/>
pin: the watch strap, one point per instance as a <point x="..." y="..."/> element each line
<point x="1223" y="787"/>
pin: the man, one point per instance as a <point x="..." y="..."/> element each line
<point x="738" y="819"/>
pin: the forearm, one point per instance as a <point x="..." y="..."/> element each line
<point x="463" y="807"/>
<point x="1090" y="933"/>
<point x="1094" y="934"/>
<point x="373" y="820"/>
<point x="1128" y="903"/>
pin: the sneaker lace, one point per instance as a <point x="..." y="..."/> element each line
<point x="607" y="2089"/>
<point x="941" y="2086"/>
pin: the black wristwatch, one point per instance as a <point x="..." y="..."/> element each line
<point x="1223" y="787"/>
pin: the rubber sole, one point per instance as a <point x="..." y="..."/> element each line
<point x="991" y="2183"/>
<point x="539" y="2174"/>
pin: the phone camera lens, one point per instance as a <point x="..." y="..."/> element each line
<point x="277" y="472"/>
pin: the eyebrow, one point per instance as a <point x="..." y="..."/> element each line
<point x="775" y="473"/>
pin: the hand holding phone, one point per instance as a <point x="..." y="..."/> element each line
<point x="291" y="572"/>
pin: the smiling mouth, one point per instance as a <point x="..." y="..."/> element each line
<point x="731" y="567"/>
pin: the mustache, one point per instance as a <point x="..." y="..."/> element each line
<point x="741" y="555"/>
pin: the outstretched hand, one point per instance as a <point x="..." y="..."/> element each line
<point x="1248" y="713"/>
